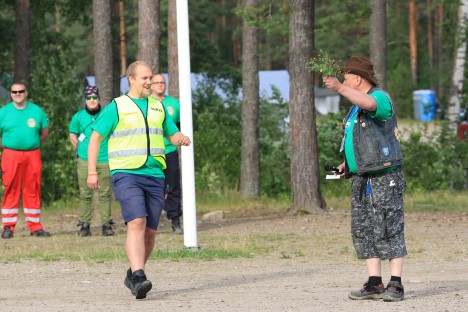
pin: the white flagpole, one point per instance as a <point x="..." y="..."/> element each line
<point x="187" y="159"/>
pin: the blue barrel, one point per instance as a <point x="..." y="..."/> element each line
<point x="424" y="102"/>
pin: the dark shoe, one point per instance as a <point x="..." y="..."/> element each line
<point x="127" y="279"/>
<point x="176" y="229"/>
<point x="85" y="229"/>
<point x="140" y="286"/>
<point x="368" y="292"/>
<point x="7" y="233"/>
<point x="107" y="229"/>
<point x="40" y="233"/>
<point x="394" y="292"/>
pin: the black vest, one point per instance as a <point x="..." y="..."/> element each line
<point x="376" y="142"/>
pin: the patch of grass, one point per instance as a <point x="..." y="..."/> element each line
<point x="215" y="244"/>
<point x="338" y="203"/>
<point x="436" y="201"/>
<point x="232" y="202"/>
<point x="167" y="246"/>
<point x="439" y="201"/>
<point x="202" y="254"/>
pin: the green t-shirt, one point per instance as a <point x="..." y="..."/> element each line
<point x="383" y="112"/>
<point x="107" y="122"/>
<point x="20" y="128"/>
<point x="81" y="126"/>
<point x="172" y="106"/>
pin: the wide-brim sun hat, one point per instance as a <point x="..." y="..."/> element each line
<point x="360" y="66"/>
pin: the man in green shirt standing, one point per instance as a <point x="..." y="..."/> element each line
<point x="23" y="126"/>
<point x="172" y="173"/>
<point x="80" y="132"/>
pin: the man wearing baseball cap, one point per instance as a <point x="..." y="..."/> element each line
<point x="373" y="158"/>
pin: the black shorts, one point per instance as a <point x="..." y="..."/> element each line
<point x="377" y="215"/>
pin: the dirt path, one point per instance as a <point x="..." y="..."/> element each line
<point x="318" y="278"/>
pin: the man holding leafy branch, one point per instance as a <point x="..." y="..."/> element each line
<point x="373" y="157"/>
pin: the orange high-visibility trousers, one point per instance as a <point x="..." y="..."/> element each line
<point x="22" y="173"/>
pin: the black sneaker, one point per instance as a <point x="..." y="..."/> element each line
<point x="176" y="229"/>
<point x="84" y="230"/>
<point x="394" y="292"/>
<point x="7" y="233"/>
<point x="127" y="279"/>
<point x="140" y="286"/>
<point x="40" y="233"/>
<point x="107" y="229"/>
<point x="368" y="292"/>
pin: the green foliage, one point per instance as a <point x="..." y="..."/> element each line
<point x="274" y="145"/>
<point x="322" y="63"/>
<point x="57" y="93"/>
<point x="342" y="15"/>
<point x="57" y="89"/>
<point x="342" y="27"/>
<point x="212" y="45"/>
<point x="217" y="135"/>
<point x="401" y="90"/>
<point x="7" y="37"/>
<point x="329" y="134"/>
<point x="435" y="162"/>
<point x="270" y="16"/>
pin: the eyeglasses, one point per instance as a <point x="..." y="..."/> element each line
<point x="89" y="97"/>
<point x="18" y="91"/>
<point x="159" y="82"/>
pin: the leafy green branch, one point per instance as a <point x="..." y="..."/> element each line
<point x="324" y="64"/>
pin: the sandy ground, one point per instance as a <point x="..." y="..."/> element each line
<point x="317" y="279"/>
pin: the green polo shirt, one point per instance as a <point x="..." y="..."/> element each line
<point x="21" y="128"/>
<point x="81" y="125"/>
<point x="172" y="106"/>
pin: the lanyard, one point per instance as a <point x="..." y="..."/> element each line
<point x="350" y="118"/>
<point x="348" y="123"/>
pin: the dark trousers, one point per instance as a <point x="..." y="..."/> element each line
<point x="172" y="204"/>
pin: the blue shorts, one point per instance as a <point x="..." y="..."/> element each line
<point x="139" y="196"/>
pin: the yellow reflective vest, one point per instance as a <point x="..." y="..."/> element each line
<point x="136" y="138"/>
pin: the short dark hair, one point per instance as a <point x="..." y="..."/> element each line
<point x="19" y="82"/>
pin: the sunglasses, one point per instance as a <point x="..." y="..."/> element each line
<point x="19" y="91"/>
<point x="89" y="97"/>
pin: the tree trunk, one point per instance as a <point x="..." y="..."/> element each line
<point x="22" y="41"/>
<point x="438" y="45"/>
<point x="123" y="45"/>
<point x="413" y="22"/>
<point x="378" y="40"/>
<point x="453" y="111"/>
<point x="57" y="19"/>
<point x="148" y="33"/>
<point x="102" y="37"/>
<point x="305" y="181"/>
<point x="250" y="160"/>
<point x="430" y="43"/>
<point x="172" y="53"/>
<point x="116" y="60"/>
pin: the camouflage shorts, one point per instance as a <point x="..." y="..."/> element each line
<point x="377" y="215"/>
